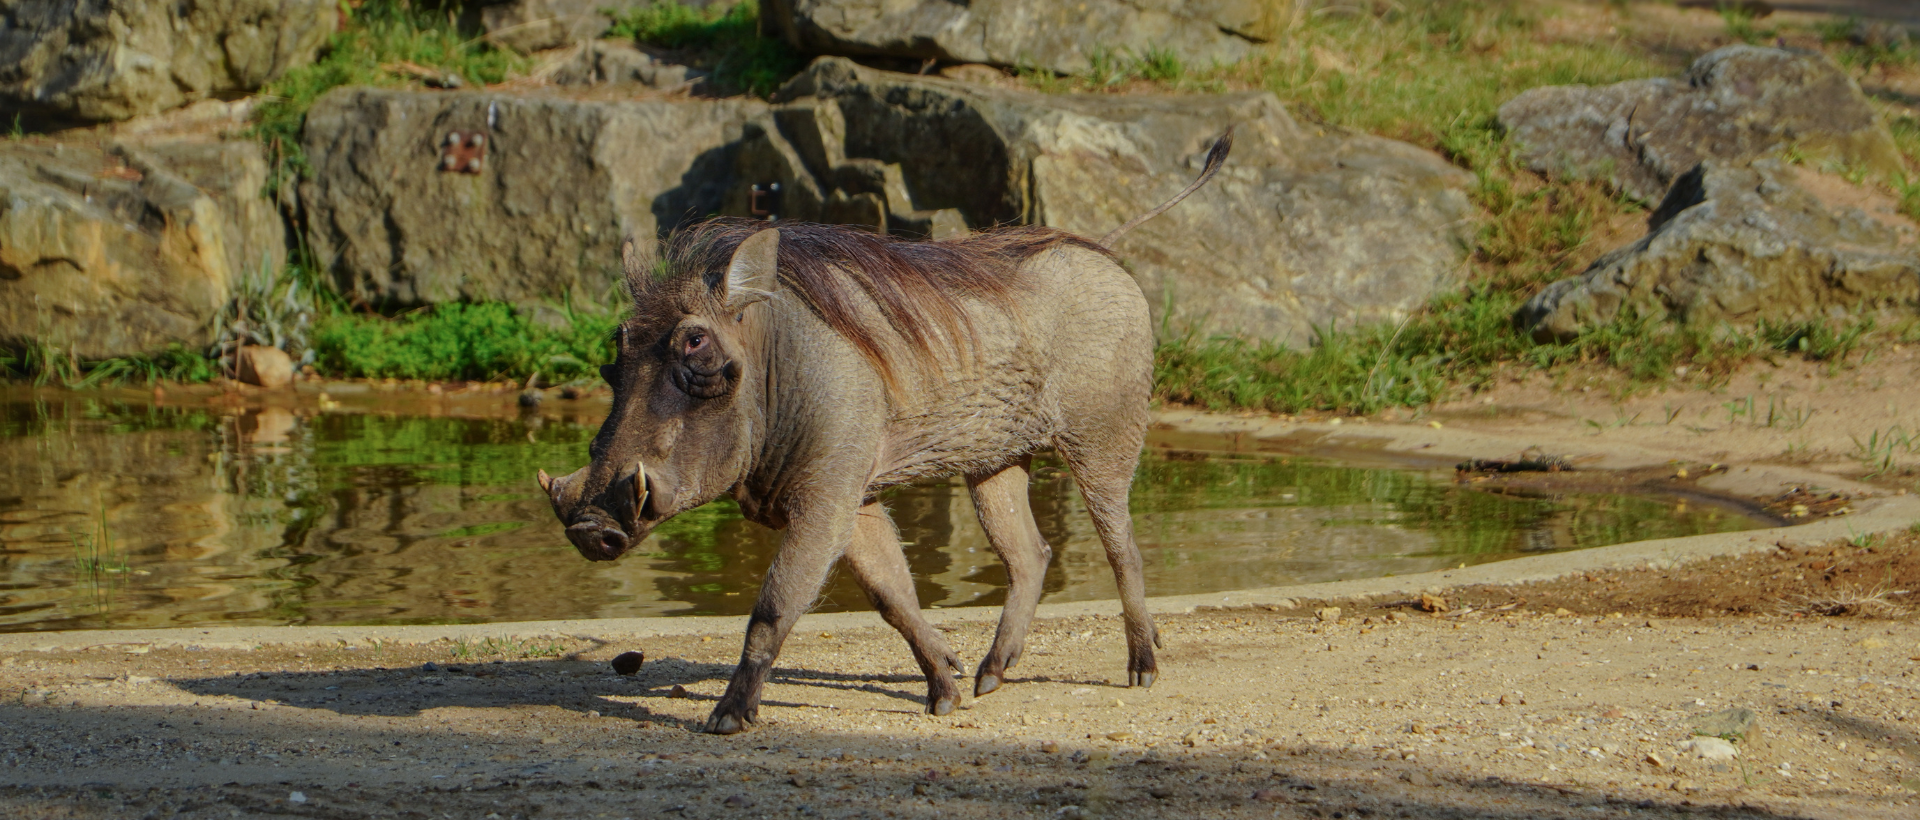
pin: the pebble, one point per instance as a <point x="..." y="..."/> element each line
<point x="678" y="691"/>
<point x="1416" y="778"/>
<point x="627" y="663"/>
<point x="1049" y="746"/>
<point x="1119" y="736"/>
<point x="738" y="801"/>
<point x="1735" y="723"/>
<point x="1329" y="614"/>
<point x="1709" y="748"/>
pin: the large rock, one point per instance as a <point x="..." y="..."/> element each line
<point x="125" y="248"/>
<point x="562" y="181"/>
<point x="71" y="61"/>
<point x="531" y="25"/>
<point x="1735" y="103"/>
<point x="1057" y="36"/>
<point x="1305" y="226"/>
<point x="617" y="63"/>
<point x="1738" y="241"/>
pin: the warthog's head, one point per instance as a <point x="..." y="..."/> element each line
<point x="679" y="434"/>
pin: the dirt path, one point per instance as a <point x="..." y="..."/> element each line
<point x="1556" y="699"/>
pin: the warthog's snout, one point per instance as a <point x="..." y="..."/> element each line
<point x="605" y="527"/>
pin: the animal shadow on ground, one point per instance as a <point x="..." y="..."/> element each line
<point x="580" y="686"/>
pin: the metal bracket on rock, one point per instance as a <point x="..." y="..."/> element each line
<point x="765" y="201"/>
<point x="463" y="152"/>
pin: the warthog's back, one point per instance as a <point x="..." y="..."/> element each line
<point x="1074" y="342"/>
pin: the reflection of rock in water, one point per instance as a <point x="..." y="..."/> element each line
<point x="156" y="490"/>
<point x="1543" y="539"/>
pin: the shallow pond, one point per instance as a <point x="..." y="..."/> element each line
<point x="125" y="514"/>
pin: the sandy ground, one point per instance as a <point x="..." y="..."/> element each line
<point x="1488" y="709"/>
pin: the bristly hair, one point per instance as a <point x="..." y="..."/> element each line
<point x="917" y="285"/>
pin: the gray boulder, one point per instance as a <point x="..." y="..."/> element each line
<point x="617" y="63"/>
<point x="1305" y="226"/>
<point x="558" y="184"/>
<point x="1047" y="34"/>
<point x="109" y="250"/>
<point x="1735" y="103"/>
<point x="532" y="25"/>
<point x="1740" y="242"/>
<point x="72" y="61"/>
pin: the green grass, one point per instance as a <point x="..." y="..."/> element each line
<point x="482" y="341"/>
<point x="1838" y="34"/>
<point x="723" y="39"/>
<point x="381" y="33"/>
<point x="43" y="363"/>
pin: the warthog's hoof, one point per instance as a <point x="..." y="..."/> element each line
<point x="941" y="707"/>
<point x="987" y="682"/>
<point x="728" y="724"/>
<point x="1141" y="679"/>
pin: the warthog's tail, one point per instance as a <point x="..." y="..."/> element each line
<point x="1215" y="158"/>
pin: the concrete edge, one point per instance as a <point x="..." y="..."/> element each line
<point x="1875" y="516"/>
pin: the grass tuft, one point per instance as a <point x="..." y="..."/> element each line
<point x="381" y="34"/>
<point x="484" y="341"/>
<point x="723" y="39"/>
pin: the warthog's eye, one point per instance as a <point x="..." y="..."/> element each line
<point x="701" y="369"/>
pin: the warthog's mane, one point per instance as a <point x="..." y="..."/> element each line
<point x="919" y="287"/>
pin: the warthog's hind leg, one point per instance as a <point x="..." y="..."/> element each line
<point x="1105" y="475"/>
<point x="1000" y="500"/>
<point x="881" y="568"/>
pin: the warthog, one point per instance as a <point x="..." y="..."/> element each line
<point x="803" y="368"/>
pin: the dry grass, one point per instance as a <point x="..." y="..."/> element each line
<point x="1871" y="603"/>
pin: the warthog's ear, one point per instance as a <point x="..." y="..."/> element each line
<point x="753" y="274"/>
<point x="631" y="260"/>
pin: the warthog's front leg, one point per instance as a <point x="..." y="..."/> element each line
<point x="881" y="569"/>
<point x="793" y="581"/>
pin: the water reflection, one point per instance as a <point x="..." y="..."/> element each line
<point x="131" y="515"/>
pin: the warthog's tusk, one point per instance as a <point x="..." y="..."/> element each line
<point x="546" y="482"/>
<point x="639" y="485"/>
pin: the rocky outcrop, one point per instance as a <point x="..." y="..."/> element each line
<point x="612" y="62"/>
<point x="121" y="249"/>
<point x="71" y="61"/>
<point x="1046" y="34"/>
<point x="1738" y="241"/>
<point x="1734" y="104"/>
<point x="532" y="25"/>
<point x="1306" y="226"/>
<point x="535" y="210"/>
